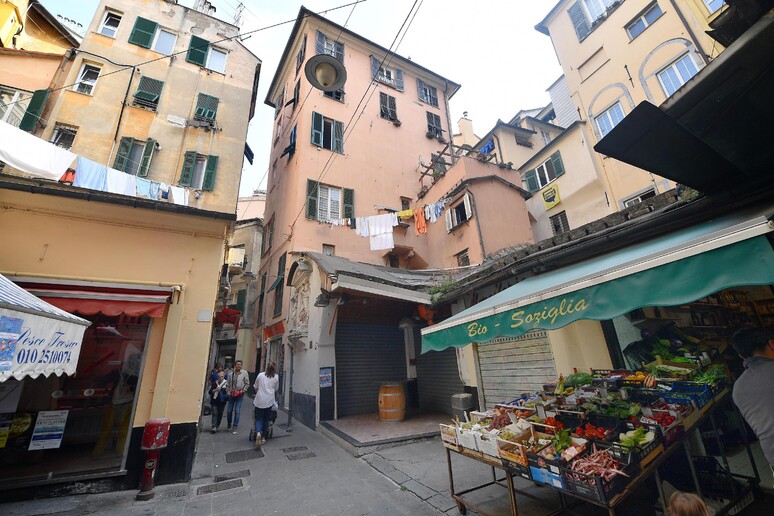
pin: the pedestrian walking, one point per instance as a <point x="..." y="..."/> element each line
<point x="237" y="384"/>
<point x="219" y="394"/>
<point x="266" y="385"/>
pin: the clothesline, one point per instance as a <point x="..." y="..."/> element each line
<point x="39" y="158"/>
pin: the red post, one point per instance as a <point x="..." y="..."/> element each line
<point x="154" y="438"/>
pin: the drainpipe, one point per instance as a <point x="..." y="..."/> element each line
<point x="478" y="222"/>
<point x="289" y="427"/>
<point x="448" y="122"/>
<point x="126" y="95"/>
<point x="690" y="33"/>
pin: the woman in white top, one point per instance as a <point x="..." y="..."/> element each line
<point x="266" y="385"/>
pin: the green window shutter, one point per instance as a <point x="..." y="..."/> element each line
<point x="349" y="203"/>
<point x="149" y="90"/>
<point x="556" y="159"/>
<point x="186" y="175"/>
<point x="374" y="68"/>
<point x="197" y="51"/>
<point x="31" y="116"/>
<point x="147" y="156"/>
<point x="209" y="173"/>
<point x="296" y="94"/>
<point x="241" y="299"/>
<point x="320" y="44"/>
<point x="212" y="108"/>
<point x="421" y="90"/>
<point x="393" y="109"/>
<point x="579" y="21"/>
<point x="143" y="32"/>
<point x="399" y="79"/>
<point x="530" y="178"/>
<point x="338" y="49"/>
<point x="311" y="199"/>
<point x="317" y="129"/>
<point x="122" y="154"/>
<point x="338" y="137"/>
<point x="201" y="105"/>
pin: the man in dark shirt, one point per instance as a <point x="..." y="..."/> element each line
<point x="753" y="391"/>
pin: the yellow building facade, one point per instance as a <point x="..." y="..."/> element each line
<point x="144" y="271"/>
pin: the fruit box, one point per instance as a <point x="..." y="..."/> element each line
<point x="487" y="443"/>
<point x="595" y="487"/>
<point x="449" y="436"/>
<point x="467" y="439"/>
<point x="540" y="461"/>
<point x="514" y="453"/>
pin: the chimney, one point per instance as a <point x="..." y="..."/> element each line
<point x="465" y="126"/>
<point x="204" y="6"/>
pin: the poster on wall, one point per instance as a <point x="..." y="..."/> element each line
<point x="31" y="345"/>
<point x="49" y="429"/>
<point x="326" y="377"/>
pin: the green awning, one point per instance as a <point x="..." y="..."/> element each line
<point x="670" y="270"/>
<point x="276" y="282"/>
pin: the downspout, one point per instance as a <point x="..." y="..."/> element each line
<point x="499" y="149"/>
<point x="448" y="122"/>
<point x="478" y="222"/>
<point x="126" y="96"/>
<point x="690" y="33"/>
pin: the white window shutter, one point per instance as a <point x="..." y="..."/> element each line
<point x="449" y="223"/>
<point x="468" y="209"/>
<point x="324" y="211"/>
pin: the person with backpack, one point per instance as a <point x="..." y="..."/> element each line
<point x="266" y="385"/>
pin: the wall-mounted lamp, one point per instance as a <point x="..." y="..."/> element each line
<point x="322" y="300"/>
<point x="325" y="72"/>
<point x="249" y="276"/>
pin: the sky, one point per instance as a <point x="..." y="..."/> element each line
<point x="491" y="49"/>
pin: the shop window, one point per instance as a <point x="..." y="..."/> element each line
<point x="110" y="22"/>
<point x="559" y="223"/>
<point x="458" y="213"/>
<point x="87" y="79"/>
<point x="64" y="135"/>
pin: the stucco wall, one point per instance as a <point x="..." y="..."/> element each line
<point x="27" y="71"/>
<point x="54" y="237"/>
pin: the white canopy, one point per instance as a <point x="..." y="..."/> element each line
<point x="36" y="337"/>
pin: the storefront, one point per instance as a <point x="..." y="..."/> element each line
<point x="76" y="423"/>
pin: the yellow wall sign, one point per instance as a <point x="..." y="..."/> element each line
<point x="550" y="197"/>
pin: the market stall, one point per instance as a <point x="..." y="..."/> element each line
<point x="597" y="435"/>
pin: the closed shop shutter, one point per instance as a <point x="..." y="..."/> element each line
<point x="366" y="356"/>
<point x="510" y="366"/>
<point x="437" y="377"/>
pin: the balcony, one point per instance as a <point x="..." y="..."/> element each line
<point x="236" y="260"/>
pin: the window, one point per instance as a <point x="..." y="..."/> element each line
<point x="434" y="125"/>
<point x="585" y="13"/>
<point x="405" y="203"/>
<point x="143" y="32"/>
<point x="335" y="95"/>
<point x="278" y="133"/>
<point x="523" y="138"/>
<point x="268" y="235"/>
<point x="64" y="135"/>
<point x="459" y="213"/>
<point x="279" y="103"/>
<point x="328" y="203"/>
<point x="206" y="108"/>
<point x="643" y="21"/>
<point x="559" y="223"/>
<point x="386" y="75"/>
<point x="639" y="198"/>
<point x="148" y="93"/>
<point x="109" y="25"/>
<point x="280" y="288"/>
<point x="200" y="52"/>
<point x="327" y="133"/>
<point x="676" y="74"/>
<point x="87" y="79"/>
<point x="329" y="250"/>
<point x="609" y="119"/>
<point x="329" y="46"/>
<point x="714" y="5"/>
<point x="544" y="173"/>
<point x="427" y="93"/>
<point x="301" y="55"/>
<point x="463" y="260"/>
<point x="13" y="105"/>
<point x="546" y="136"/>
<point x="296" y="94"/>
<point x="164" y="43"/>
<point x="199" y="171"/>
<point x="291" y="148"/>
<point x="387" y="107"/>
<point x="134" y="157"/>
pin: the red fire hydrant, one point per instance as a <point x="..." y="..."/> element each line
<point x="154" y="439"/>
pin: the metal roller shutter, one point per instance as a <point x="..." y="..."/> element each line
<point x="366" y="356"/>
<point x="510" y="366"/>
<point x="437" y="377"/>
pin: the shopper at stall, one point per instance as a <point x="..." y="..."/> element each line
<point x="219" y="393"/>
<point x="266" y="385"/>
<point x="686" y="504"/>
<point x="237" y="384"/>
<point x="753" y="389"/>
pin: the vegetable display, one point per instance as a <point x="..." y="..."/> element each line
<point x="597" y="464"/>
<point x="712" y="375"/>
<point x="636" y="438"/>
<point x="590" y="431"/>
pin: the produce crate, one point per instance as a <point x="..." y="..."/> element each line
<point x="691" y="366"/>
<point x="514" y="453"/>
<point x="699" y="393"/>
<point x="543" y="476"/>
<point x="449" y="437"/>
<point x="476" y="416"/>
<point x="644" y="454"/>
<point x="609" y="423"/>
<point x="643" y="396"/>
<point x="553" y="466"/>
<point x="595" y="487"/>
<point x="487" y="444"/>
<point x="713" y="479"/>
<point x="467" y="439"/>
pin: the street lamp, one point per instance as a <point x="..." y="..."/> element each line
<point x="325" y="72"/>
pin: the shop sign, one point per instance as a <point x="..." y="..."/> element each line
<point x="49" y="428"/>
<point x="272" y="331"/>
<point x="31" y="345"/>
<point x="550" y="196"/>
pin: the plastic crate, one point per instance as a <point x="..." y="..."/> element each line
<point x="700" y="394"/>
<point x="642" y="455"/>
<point x="609" y="423"/>
<point x="543" y="476"/>
<point x="713" y="479"/>
<point x="536" y="460"/>
<point x="595" y="487"/>
<point x="643" y="396"/>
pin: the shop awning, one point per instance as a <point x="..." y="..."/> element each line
<point x="108" y="303"/>
<point x="35" y="337"/>
<point x="670" y="270"/>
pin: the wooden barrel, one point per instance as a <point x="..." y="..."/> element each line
<point x="392" y="402"/>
